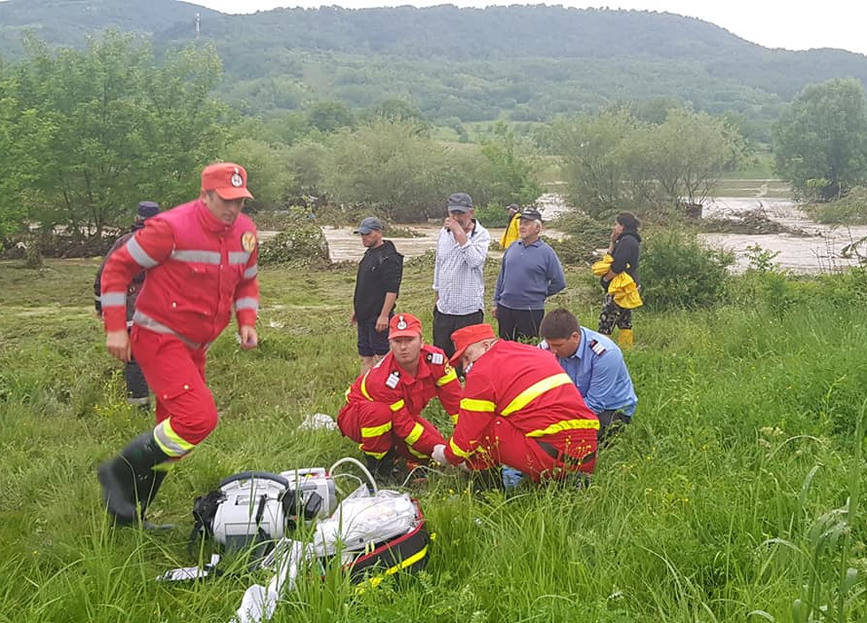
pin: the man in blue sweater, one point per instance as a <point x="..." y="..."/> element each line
<point x="596" y="366"/>
<point x="530" y="273"/>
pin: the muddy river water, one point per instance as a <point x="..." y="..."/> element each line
<point x="819" y="251"/>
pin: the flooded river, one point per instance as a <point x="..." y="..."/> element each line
<point x="819" y="251"/>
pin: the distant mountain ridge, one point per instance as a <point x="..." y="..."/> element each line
<point x="526" y="61"/>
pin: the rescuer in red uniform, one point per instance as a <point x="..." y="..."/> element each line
<point x="383" y="407"/>
<point x="518" y="409"/>
<point x="201" y="265"/>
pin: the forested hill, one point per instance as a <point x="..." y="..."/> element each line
<point x="520" y="61"/>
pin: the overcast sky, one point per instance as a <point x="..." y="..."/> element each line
<point x="772" y="23"/>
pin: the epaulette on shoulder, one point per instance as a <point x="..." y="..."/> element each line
<point x="597" y="347"/>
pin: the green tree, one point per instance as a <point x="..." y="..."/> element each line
<point x="592" y="151"/>
<point x="513" y="174"/>
<point x="820" y="142"/>
<point x="267" y="171"/>
<point x="687" y="155"/>
<point x="122" y="129"/>
<point x="330" y="116"/>
<point x="389" y="168"/>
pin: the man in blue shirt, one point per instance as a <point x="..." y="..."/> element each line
<point x="530" y="273"/>
<point x="595" y="364"/>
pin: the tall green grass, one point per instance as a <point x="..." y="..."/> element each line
<point x="734" y="495"/>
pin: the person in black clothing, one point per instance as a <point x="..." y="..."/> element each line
<point x="376" y="290"/>
<point x="137" y="392"/>
<point x="624" y="248"/>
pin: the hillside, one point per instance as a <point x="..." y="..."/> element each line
<point x="526" y="63"/>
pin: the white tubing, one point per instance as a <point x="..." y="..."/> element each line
<point x="359" y="465"/>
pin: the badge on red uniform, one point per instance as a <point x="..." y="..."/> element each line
<point x="248" y="241"/>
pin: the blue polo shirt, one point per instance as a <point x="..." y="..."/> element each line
<point x="528" y="275"/>
<point x="598" y="370"/>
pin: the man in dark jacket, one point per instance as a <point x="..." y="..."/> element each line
<point x="136" y="387"/>
<point x="376" y="290"/>
<point x="624" y="248"/>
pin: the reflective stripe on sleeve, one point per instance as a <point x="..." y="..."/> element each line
<point x="448" y="377"/>
<point x="140" y="255"/>
<point x="169" y="441"/>
<point x="397" y="406"/>
<point x="193" y="255"/>
<point x="534" y="391"/>
<point x="364" y="386"/>
<point x="247" y="303"/>
<point x="565" y="425"/>
<point x="415" y="434"/>
<point x="375" y="431"/>
<point x="251" y="272"/>
<point x="471" y="404"/>
<point x="113" y="299"/>
<point x="457" y="450"/>
<point x="238" y="257"/>
<point x="454" y="418"/>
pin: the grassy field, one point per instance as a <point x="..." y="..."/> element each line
<point x="726" y="500"/>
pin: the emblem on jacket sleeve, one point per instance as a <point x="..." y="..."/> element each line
<point x="248" y="241"/>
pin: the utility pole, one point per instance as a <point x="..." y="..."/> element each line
<point x="198" y="24"/>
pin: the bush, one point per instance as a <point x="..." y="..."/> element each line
<point x="492" y="215"/>
<point x="677" y="271"/>
<point x="302" y="242"/>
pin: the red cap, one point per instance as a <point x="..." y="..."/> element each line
<point x="404" y="325"/>
<point x="469" y="335"/>
<point x="228" y="179"/>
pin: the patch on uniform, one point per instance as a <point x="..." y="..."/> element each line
<point x="401" y="324"/>
<point x="392" y="380"/>
<point x="237" y="181"/>
<point x="597" y="348"/>
<point x="436" y="358"/>
<point x="248" y="241"/>
<point x="447" y="368"/>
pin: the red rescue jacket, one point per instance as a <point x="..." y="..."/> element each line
<point x="528" y="387"/>
<point x="199" y="269"/>
<point x="407" y="396"/>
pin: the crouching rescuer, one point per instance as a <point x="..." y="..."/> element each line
<point x="383" y="407"/>
<point x="518" y="409"/>
<point x="201" y="262"/>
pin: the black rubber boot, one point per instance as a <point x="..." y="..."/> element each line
<point x="490" y="479"/>
<point x="383" y="469"/>
<point x="148" y="487"/>
<point x="129" y="478"/>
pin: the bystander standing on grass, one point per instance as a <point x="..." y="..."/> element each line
<point x="624" y="250"/>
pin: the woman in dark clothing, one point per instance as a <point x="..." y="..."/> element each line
<point x="624" y="248"/>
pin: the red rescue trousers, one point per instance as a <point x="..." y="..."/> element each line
<point x="378" y="429"/>
<point x="186" y="412"/>
<point x="548" y="457"/>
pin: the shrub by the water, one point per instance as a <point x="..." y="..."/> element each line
<point x="302" y="241"/>
<point x="678" y="271"/>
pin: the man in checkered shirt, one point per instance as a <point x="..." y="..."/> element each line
<point x="458" y="278"/>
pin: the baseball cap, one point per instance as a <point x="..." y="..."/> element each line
<point x="147" y="209"/>
<point x="227" y="179"/>
<point x="368" y="225"/>
<point x="532" y="215"/>
<point x="513" y="206"/>
<point x="403" y="325"/>
<point x="460" y="202"/>
<point x="467" y="336"/>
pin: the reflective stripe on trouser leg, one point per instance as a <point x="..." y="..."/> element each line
<point x="176" y="374"/>
<point x="508" y="446"/>
<point x="368" y="424"/>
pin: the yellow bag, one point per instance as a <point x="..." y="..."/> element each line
<point x="625" y="292"/>
<point x="601" y="268"/>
